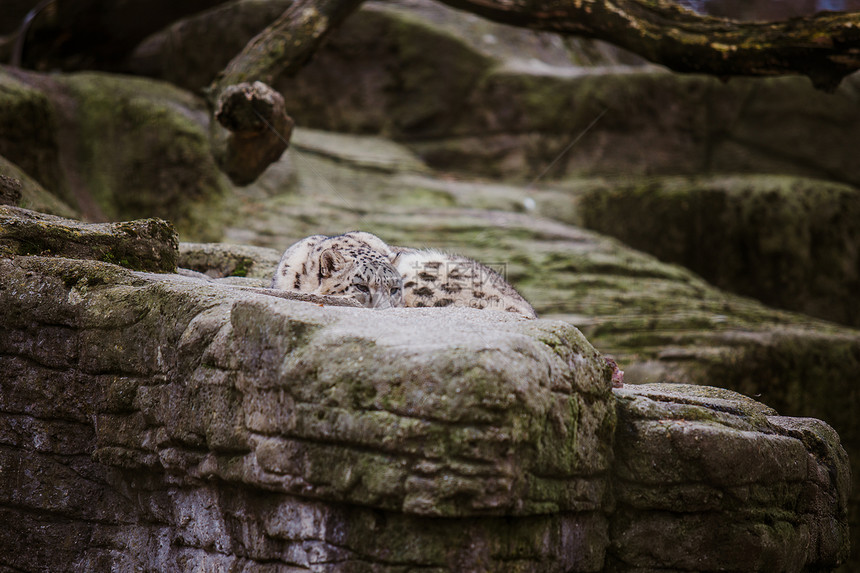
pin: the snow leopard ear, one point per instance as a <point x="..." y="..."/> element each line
<point x="330" y="261"/>
<point x="394" y="257"/>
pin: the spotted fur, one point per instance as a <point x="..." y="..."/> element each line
<point x="355" y="265"/>
<point x="433" y="278"/>
<point x="364" y="267"/>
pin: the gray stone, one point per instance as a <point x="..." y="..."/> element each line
<point x="148" y="245"/>
<point x="167" y="422"/>
<point x="800" y="238"/>
<point x="28" y="129"/>
<point x="659" y="321"/>
<point x="701" y="470"/>
<point x="10" y="191"/>
<point x="222" y="260"/>
<point x="177" y="384"/>
<point x="34" y="196"/>
<point x="95" y="146"/>
<point x="472" y="96"/>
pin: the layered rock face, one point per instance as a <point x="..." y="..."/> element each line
<point x="111" y="148"/>
<point x="176" y="422"/>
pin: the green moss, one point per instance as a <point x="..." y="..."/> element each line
<point x="148" y="245"/>
<point x="241" y="268"/>
<point x="798" y="236"/>
<point x="33" y="196"/>
<point x="28" y="127"/>
<point x="143" y="157"/>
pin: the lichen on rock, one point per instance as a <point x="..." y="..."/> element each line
<point x="146" y="245"/>
<point x="186" y="423"/>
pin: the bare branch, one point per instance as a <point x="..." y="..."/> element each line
<point x="282" y="48"/>
<point x="824" y="47"/>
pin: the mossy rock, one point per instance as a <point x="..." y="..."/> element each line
<point x="143" y="152"/>
<point x="659" y="320"/>
<point x="219" y="260"/>
<point x="442" y="439"/>
<point x="130" y="148"/>
<point x="28" y="130"/>
<point x="475" y="97"/>
<point x="33" y="196"/>
<point x="790" y="242"/>
<point x="147" y="245"/>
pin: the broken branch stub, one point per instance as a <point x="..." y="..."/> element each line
<point x="282" y="48"/>
<point x="258" y="130"/>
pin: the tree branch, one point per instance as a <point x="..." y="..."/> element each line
<point x="824" y="47"/>
<point x="254" y="114"/>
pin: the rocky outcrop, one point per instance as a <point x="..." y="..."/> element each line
<point x="148" y="245"/>
<point x="788" y="242"/>
<point x="10" y="191"/>
<point x="166" y="422"/>
<point x="661" y="322"/>
<point x="28" y="127"/>
<point x="221" y="260"/>
<point x="91" y="141"/>
<point x="476" y="97"/>
<point x="32" y="195"/>
<point x="709" y="480"/>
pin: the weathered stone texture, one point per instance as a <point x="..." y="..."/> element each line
<point x="789" y="242"/>
<point x="188" y="401"/>
<point x="162" y="422"/>
<point x="217" y="260"/>
<point x="147" y="245"/>
<point x="709" y="480"/>
<point x="10" y="190"/>
<point x="113" y="148"/>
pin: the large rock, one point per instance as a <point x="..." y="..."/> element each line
<point x="790" y="242"/>
<point x="115" y="148"/>
<point x="28" y="130"/>
<point x="660" y="321"/>
<point x="703" y="478"/>
<point x="341" y="435"/>
<point x="170" y="423"/>
<point x="34" y="196"/>
<point x="146" y="245"/>
<point x="10" y="190"/>
<point x="474" y="96"/>
<point x="389" y="35"/>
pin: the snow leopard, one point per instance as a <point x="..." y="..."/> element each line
<point x="355" y="265"/>
<point x="434" y="278"/>
<point x="362" y="266"/>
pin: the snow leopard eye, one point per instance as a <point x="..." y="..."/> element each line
<point x="362" y="288"/>
<point x="395" y="291"/>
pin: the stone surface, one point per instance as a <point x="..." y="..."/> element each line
<point x="332" y="434"/>
<point x="224" y="260"/>
<point x="115" y="147"/>
<point x="28" y="130"/>
<point x="192" y="51"/>
<point x="10" y="191"/>
<point x="700" y="470"/>
<point x="661" y="322"/>
<point x="34" y="196"/>
<point x="148" y="245"/>
<point x="477" y="97"/>
<point x="156" y="421"/>
<point x="800" y="238"/>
